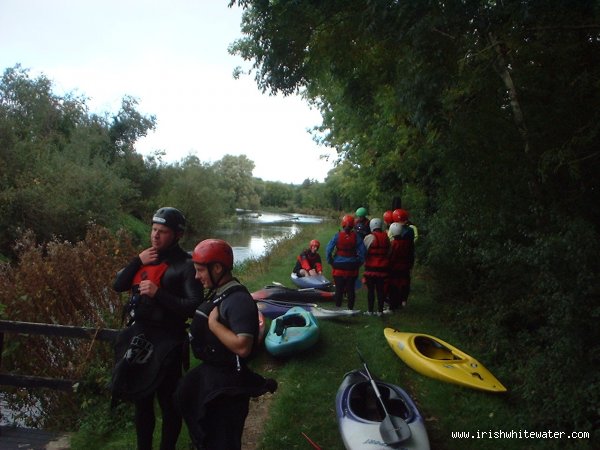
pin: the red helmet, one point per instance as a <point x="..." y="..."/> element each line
<point x="347" y="221"/>
<point x="388" y="216"/>
<point x="315" y="242"/>
<point x="213" y="251"/>
<point x="400" y="215"/>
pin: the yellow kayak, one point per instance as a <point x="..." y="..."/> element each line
<point x="438" y="359"/>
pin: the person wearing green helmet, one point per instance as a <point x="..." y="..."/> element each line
<point x="361" y="222"/>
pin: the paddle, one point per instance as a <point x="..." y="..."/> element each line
<point x="393" y="429"/>
<point x="311" y="442"/>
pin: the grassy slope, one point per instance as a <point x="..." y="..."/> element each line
<point x="308" y="383"/>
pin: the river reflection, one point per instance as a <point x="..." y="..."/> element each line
<point x="257" y="231"/>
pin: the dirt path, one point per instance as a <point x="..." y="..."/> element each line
<point x="259" y="411"/>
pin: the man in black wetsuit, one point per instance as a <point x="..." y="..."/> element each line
<point x="150" y="351"/>
<point x="214" y="397"/>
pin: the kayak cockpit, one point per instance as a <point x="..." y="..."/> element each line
<point x="363" y="403"/>
<point x="433" y="349"/>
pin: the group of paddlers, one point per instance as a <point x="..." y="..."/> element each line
<point x="386" y="249"/>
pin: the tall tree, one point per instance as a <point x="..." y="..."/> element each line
<point x="483" y="116"/>
<point x="236" y="181"/>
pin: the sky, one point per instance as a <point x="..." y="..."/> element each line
<point x="170" y="55"/>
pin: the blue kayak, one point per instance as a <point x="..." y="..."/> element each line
<point x="293" y="332"/>
<point x="316" y="282"/>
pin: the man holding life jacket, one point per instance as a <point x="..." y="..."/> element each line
<point x="377" y="264"/>
<point x="214" y="396"/>
<point x="308" y="263"/>
<point x="150" y="352"/>
<point x="346" y="253"/>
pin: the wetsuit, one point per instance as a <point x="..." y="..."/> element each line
<point x="214" y="397"/>
<point x="162" y="321"/>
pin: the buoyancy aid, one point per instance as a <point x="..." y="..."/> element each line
<point x="377" y="260"/>
<point x="346" y="244"/>
<point x="205" y="345"/>
<point x="309" y="260"/>
<point x="402" y="255"/>
<point x="151" y="272"/>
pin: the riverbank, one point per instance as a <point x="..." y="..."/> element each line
<point x="305" y="400"/>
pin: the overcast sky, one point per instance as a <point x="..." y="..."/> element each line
<point x="172" y="56"/>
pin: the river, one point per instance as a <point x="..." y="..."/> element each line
<point x="258" y="231"/>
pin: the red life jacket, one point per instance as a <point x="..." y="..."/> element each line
<point x="152" y="272"/>
<point x="346" y="244"/>
<point x="309" y="260"/>
<point x="377" y="260"/>
<point x="402" y="255"/>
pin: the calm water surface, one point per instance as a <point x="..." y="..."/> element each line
<point x="257" y="231"/>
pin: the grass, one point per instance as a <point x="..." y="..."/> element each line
<point x="305" y="400"/>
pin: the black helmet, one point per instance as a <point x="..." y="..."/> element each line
<point x="171" y="217"/>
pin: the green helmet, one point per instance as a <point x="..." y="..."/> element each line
<point x="361" y="212"/>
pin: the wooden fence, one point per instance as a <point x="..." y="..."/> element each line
<point x="29" y="328"/>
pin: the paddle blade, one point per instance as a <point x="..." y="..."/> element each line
<point x="394" y="430"/>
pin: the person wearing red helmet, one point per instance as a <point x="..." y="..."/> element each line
<point x="401" y="216"/>
<point x="388" y="217"/>
<point x="346" y="253"/>
<point x="149" y="352"/>
<point x="308" y="263"/>
<point x="214" y="397"/>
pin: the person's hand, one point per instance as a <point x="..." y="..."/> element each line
<point x="148" y="288"/>
<point x="149" y="256"/>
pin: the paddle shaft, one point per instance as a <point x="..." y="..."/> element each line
<point x="394" y="430"/>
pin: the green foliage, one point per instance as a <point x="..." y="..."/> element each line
<point x="236" y="182"/>
<point x="56" y="174"/>
<point x="482" y="116"/>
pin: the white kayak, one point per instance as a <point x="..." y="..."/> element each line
<point x="360" y="415"/>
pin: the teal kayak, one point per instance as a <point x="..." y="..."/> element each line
<point x="292" y="332"/>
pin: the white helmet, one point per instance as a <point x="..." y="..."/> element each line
<point x="375" y="224"/>
<point x="395" y="229"/>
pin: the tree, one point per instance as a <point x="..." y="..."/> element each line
<point x="483" y="116"/>
<point x="58" y="162"/>
<point x="235" y="180"/>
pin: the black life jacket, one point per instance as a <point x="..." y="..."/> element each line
<point x="205" y="345"/>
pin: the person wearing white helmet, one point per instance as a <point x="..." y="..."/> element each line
<point x="377" y="263"/>
<point x="402" y="259"/>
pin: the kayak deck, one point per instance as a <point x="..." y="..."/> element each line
<point x="437" y="359"/>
